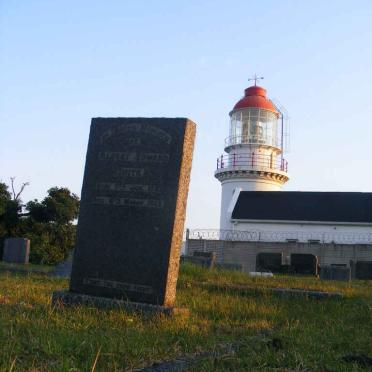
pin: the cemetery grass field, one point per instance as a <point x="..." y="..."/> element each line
<point x="25" y="268"/>
<point x="272" y="333"/>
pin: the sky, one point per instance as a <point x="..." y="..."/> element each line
<point x="63" y="62"/>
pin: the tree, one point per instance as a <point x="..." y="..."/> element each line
<point x="10" y="209"/>
<point x="49" y="225"/>
<point x="50" y="243"/>
<point x="17" y="195"/>
<point x="4" y="197"/>
<point x="60" y="206"/>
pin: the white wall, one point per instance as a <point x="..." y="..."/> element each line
<point x="243" y="184"/>
<point x="350" y="233"/>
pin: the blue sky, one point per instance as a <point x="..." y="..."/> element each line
<point x="64" y="62"/>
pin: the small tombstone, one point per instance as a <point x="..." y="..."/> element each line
<point x="199" y="261"/>
<point x="132" y="214"/>
<point x="63" y="269"/>
<point x="335" y="273"/>
<point x="204" y="259"/>
<point x="363" y="270"/>
<point x="267" y="261"/>
<point x="305" y="264"/>
<point x="210" y="256"/>
<point x="16" y="250"/>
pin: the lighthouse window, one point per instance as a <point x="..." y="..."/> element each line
<point x="236" y="127"/>
<point x="254" y="125"/>
<point x="245" y="126"/>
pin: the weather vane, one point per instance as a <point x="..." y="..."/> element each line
<point x="255" y="78"/>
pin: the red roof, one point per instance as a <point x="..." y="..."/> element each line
<point x="255" y="97"/>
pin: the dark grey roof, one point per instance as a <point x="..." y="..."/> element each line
<point x="304" y="206"/>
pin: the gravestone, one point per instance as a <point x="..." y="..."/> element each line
<point x="132" y="213"/>
<point x="335" y="273"/>
<point x="63" y="269"/>
<point x="306" y="264"/>
<point x="362" y="270"/>
<point x="210" y="257"/>
<point x="16" y="250"/>
<point x="204" y="259"/>
<point x="267" y="261"/>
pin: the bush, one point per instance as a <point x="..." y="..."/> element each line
<point x="48" y="223"/>
<point x="50" y="243"/>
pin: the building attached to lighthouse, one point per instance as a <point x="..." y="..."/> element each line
<point x="263" y="228"/>
<point x="253" y="159"/>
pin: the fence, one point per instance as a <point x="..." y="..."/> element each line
<point x="280" y="236"/>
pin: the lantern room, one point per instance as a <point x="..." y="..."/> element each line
<point x="254" y="120"/>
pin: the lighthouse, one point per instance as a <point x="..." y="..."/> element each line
<point x="253" y="159"/>
<point x="262" y="229"/>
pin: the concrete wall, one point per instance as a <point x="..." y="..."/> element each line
<point x="277" y="231"/>
<point x="245" y="253"/>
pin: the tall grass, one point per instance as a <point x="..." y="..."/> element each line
<point x="312" y="334"/>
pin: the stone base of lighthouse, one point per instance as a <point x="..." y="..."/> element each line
<point x="234" y="182"/>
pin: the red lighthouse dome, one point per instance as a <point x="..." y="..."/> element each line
<point x="255" y="96"/>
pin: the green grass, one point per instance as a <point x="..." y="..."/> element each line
<point x="25" y="267"/>
<point x="313" y="334"/>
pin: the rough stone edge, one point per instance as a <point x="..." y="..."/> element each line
<point x="180" y="212"/>
<point x="67" y="298"/>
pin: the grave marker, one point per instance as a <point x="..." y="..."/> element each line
<point x="335" y="273"/>
<point x="16" y="250"/>
<point x="132" y="211"/>
<point x="361" y="270"/>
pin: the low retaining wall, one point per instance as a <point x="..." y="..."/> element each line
<point x="245" y="253"/>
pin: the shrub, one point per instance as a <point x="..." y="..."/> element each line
<point x="50" y="243"/>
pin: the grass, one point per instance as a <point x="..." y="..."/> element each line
<point x="4" y="266"/>
<point x="313" y="334"/>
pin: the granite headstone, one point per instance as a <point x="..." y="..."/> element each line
<point x="204" y="259"/>
<point x="363" y="270"/>
<point x="132" y="210"/>
<point x="63" y="269"/>
<point x="268" y="261"/>
<point x="210" y="256"/>
<point x="16" y="250"/>
<point x="305" y="264"/>
<point x="335" y="273"/>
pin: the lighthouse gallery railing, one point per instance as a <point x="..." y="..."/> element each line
<point x="252" y="161"/>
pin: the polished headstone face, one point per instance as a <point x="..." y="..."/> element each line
<point x="133" y="208"/>
<point x="16" y="250"/>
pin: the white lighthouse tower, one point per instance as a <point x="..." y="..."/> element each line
<point x="254" y="151"/>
